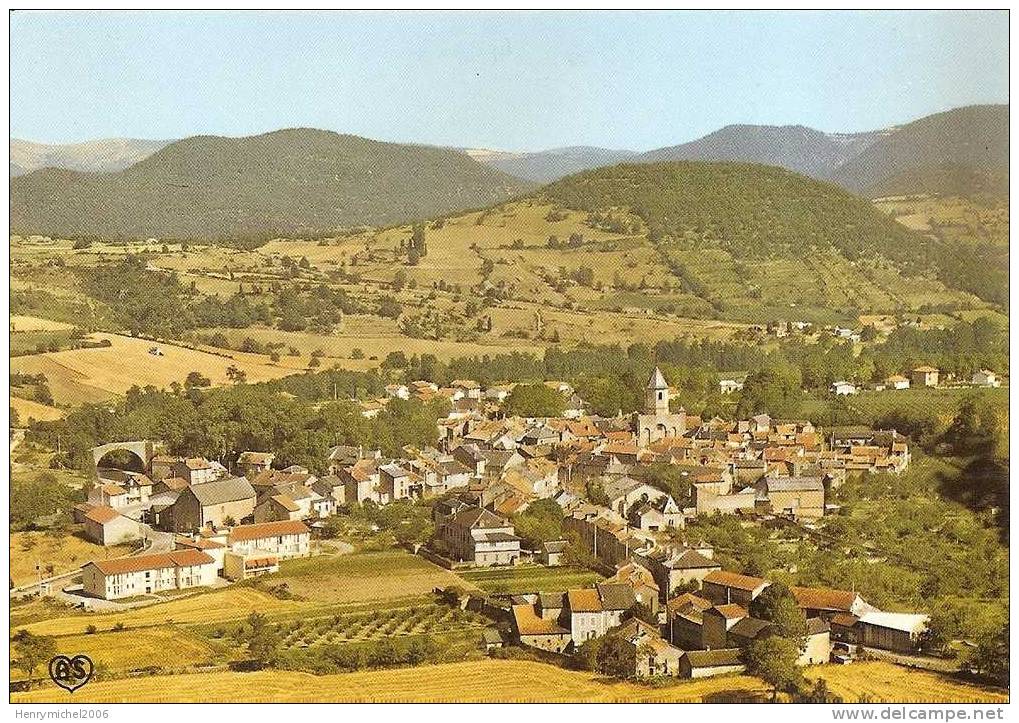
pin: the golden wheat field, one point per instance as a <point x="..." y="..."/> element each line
<point x="213" y="607"/>
<point x="79" y="375"/>
<point x="489" y="681"/>
<point x="134" y="649"/>
<point x="35" y="323"/>
<point x="28" y="409"/>
<point x="884" y="682"/>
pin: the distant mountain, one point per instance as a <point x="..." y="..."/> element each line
<point x="961" y="152"/>
<point x="286" y="183"/>
<point x="550" y="165"/>
<point x="797" y="148"/>
<point x="99" y="156"/>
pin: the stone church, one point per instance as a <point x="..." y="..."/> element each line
<point x="657" y="422"/>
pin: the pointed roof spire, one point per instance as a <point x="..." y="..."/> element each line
<point x="657" y="381"/>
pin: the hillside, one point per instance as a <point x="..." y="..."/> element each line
<point x="286" y="183"/>
<point x="752" y="239"/>
<point x="100" y="156"/>
<point x="553" y="164"/>
<point x="797" y="148"/>
<point x="960" y="152"/>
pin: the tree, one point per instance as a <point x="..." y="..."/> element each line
<point x="399" y="280"/>
<point x="773" y="660"/>
<point x="31" y="651"/>
<point x="615" y="657"/>
<point x="542" y="521"/>
<point x="195" y="380"/>
<point x="534" y="400"/>
<point x="777" y="605"/>
<point x="235" y="375"/>
<point x="263" y="640"/>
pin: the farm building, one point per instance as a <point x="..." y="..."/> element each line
<point x="106" y="526"/>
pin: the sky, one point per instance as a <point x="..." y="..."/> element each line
<point x="504" y="80"/>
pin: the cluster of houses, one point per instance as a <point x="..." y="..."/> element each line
<point x="702" y="632"/>
<point x="486" y="467"/>
<point x="921" y="376"/>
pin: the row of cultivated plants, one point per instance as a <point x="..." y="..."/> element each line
<point x="342" y="643"/>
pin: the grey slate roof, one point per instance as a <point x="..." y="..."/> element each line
<point x="228" y="489"/>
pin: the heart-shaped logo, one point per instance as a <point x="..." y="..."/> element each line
<point x="71" y="673"/>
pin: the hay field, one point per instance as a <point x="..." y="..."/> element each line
<point x="21" y="323"/>
<point x="213" y="607"/>
<point x="85" y="375"/>
<point x="363" y="577"/>
<point x="65" y="553"/>
<point x="167" y="648"/>
<point x="884" y="682"/>
<point x="485" y="681"/>
<point x="490" y="681"/>
<point x="29" y="409"/>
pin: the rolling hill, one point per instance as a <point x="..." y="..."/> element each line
<point x="286" y="183"/>
<point x="797" y="148"/>
<point x="99" y="156"/>
<point x="958" y="152"/>
<point x="754" y="239"/>
<point x="550" y="165"/>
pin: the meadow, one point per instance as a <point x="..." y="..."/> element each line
<point x="362" y="577"/>
<point x="489" y="681"/>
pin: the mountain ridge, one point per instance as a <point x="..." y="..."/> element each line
<point x="285" y="182"/>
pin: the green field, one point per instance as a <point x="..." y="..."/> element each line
<point x="529" y="578"/>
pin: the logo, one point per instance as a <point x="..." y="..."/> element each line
<point x="71" y="673"/>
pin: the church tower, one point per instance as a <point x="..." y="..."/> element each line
<point x="656" y="394"/>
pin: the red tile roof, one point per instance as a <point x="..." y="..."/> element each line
<point x="261" y="530"/>
<point x="734" y="579"/>
<point x="158" y="561"/>
<point x="102" y="514"/>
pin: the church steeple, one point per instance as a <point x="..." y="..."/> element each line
<point x="656" y="396"/>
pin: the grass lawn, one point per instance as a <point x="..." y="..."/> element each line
<point x="502" y="681"/>
<point x="362" y="577"/>
<point x="530" y="578"/>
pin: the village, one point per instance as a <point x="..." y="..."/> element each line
<point x="202" y="525"/>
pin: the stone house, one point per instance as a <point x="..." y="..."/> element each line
<point x="213" y="503"/>
<point x="723" y="588"/>
<point x="481" y="537"/>
<point x="539" y="632"/>
<point x="106" y="526"/>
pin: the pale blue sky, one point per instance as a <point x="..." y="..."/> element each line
<point x="516" y="81"/>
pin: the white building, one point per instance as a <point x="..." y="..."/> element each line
<point x="897" y="381"/>
<point x="729" y="386"/>
<point x="286" y="538"/>
<point x="146" y="574"/>
<point x="843" y="388"/>
<point x="986" y="378"/>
